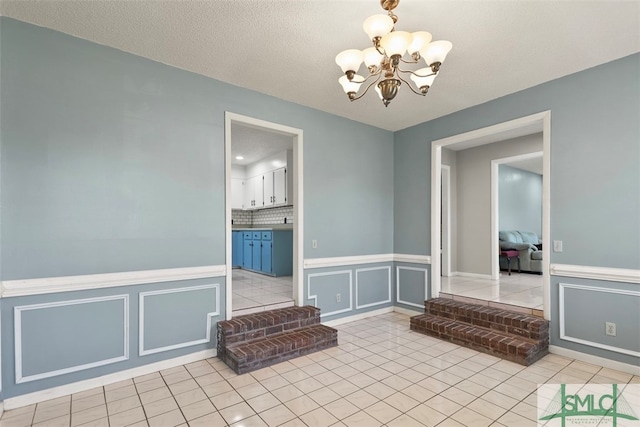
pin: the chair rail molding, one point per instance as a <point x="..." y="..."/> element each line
<point x="310" y="263"/>
<point x="49" y="285"/>
<point x="596" y="273"/>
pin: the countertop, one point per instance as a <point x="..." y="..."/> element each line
<point x="266" y="228"/>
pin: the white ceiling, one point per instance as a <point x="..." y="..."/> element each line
<point x="532" y="165"/>
<point x="256" y="144"/>
<point x="286" y="48"/>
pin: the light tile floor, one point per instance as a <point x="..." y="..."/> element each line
<point x="519" y="289"/>
<point x="381" y="374"/>
<point x="257" y="292"/>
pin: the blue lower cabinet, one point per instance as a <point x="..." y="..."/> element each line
<point x="237" y="241"/>
<point x="256" y="257"/>
<point x="268" y="252"/>
<point x="267" y="247"/>
<point x="247" y="245"/>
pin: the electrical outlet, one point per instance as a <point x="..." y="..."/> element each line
<point x="314" y="244"/>
<point x="557" y="246"/>
<point x="610" y="328"/>
<point x="338" y="297"/>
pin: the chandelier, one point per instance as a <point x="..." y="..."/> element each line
<point x="384" y="59"/>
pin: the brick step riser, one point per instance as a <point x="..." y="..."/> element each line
<point x="521" y="325"/>
<point x="276" y="345"/>
<point x="278" y="358"/>
<point x="517" y="350"/>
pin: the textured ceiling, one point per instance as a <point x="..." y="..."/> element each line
<point x="286" y="48"/>
<point x="256" y="144"/>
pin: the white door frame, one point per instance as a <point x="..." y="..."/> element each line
<point x="446" y="220"/>
<point x="495" y="206"/>
<point x="298" y="201"/>
<point x="535" y="123"/>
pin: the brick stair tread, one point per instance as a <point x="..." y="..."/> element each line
<point x="261" y="352"/>
<point x="262" y="320"/>
<point x="496" y="319"/>
<point x="281" y="343"/>
<point x="511" y="347"/>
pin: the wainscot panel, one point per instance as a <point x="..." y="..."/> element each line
<point x="176" y="318"/>
<point x="373" y="286"/>
<point x="412" y="286"/>
<point x="580" y="308"/>
<point x="65" y="332"/>
<point x="347" y="290"/>
<point x="50" y="340"/>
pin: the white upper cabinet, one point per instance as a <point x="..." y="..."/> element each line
<point x="237" y="193"/>
<point x="279" y="187"/>
<point x="267" y="188"/>
<point x="275" y="187"/>
<point x="253" y="193"/>
<point x="258" y="192"/>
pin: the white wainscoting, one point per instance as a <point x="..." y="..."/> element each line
<point x="388" y="300"/>
<point x="398" y="300"/>
<point x="142" y="351"/>
<point x="50" y="285"/>
<point x="315" y="297"/>
<point x="18" y="310"/>
<point x="346" y="260"/>
<point x="365" y="259"/>
<point x="412" y="259"/>
<point x="596" y="273"/>
<point x="564" y="336"/>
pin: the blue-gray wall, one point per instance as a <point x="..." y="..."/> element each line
<point x="114" y="163"/>
<point x="520" y="196"/>
<point x="595" y="177"/>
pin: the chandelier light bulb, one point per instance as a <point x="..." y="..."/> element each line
<point x="372" y="57"/>
<point x="420" y="40"/>
<point x="377" y="26"/>
<point x="349" y="60"/>
<point x="424" y="77"/>
<point x="436" y="52"/>
<point x="396" y="43"/>
<point x="351" y="85"/>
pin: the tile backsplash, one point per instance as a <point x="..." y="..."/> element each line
<point x="263" y="216"/>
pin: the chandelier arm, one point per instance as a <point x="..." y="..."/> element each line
<point x="408" y="62"/>
<point x="410" y="87"/>
<point x="368" y="87"/>
<point x="412" y="72"/>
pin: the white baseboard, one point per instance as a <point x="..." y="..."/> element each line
<point x="64" y="390"/>
<point x="1" y="409"/>
<point x="472" y="275"/>
<point x="407" y="311"/>
<point x="360" y="316"/>
<point x="594" y="360"/>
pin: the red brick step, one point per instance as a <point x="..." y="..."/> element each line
<point x="254" y="341"/>
<point x="262" y="352"/>
<point x="513" y="336"/>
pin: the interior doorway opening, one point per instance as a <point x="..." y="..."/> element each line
<point x="537" y="123"/>
<point x="268" y="225"/>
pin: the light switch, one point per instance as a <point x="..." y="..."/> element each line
<point x="557" y="246"/>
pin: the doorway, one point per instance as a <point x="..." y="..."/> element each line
<point x="233" y="120"/>
<point x="535" y="123"/>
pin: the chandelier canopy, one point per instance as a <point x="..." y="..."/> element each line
<point x="384" y="58"/>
